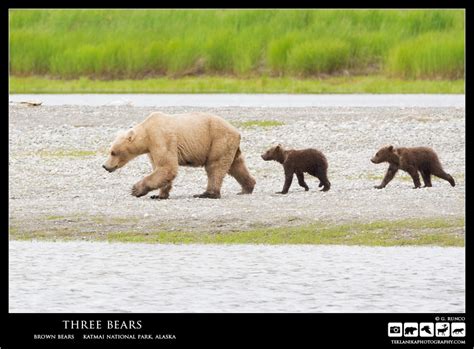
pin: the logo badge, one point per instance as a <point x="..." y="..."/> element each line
<point x="394" y="329"/>
<point x="410" y="329"/>
<point x="458" y="329"/>
<point x="426" y="329"/>
<point x="442" y="329"/>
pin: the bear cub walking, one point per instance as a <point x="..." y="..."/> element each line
<point x="297" y="162"/>
<point x="411" y="160"/>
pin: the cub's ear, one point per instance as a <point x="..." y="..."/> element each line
<point x="130" y="135"/>
<point x="390" y="147"/>
<point x="279" y="146"/>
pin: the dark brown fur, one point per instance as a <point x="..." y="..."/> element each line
<point x="297" y="162"/>
<point x="411" y="160"/>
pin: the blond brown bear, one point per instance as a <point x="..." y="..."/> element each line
<point x="194" y="139"/>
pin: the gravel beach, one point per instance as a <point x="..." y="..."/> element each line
<point x="56" y="180"/>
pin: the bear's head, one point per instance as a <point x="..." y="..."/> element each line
<point x="274" y="153"/>
<point x="124" y="148"/>
<point x="385" y="154"/>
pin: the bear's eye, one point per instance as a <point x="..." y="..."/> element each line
<point x="113" y="153"/>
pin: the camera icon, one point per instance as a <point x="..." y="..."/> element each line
<point x="395" y="329"/>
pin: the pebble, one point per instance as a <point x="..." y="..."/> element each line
<point x="42" y="181"/>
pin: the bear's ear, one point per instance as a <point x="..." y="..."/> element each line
<point x="279" y="146"/>
<point x="390" y="148"/>
<point x="130" y="135"/>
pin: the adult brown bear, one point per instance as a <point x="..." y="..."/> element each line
<point x="193" y="139"/>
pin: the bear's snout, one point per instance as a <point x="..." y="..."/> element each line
<point x="108" y="169"/>
<point x="373" y="160"/>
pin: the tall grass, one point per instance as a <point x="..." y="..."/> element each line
<point x="429" y="55"/>
<point x="147" y="43"/>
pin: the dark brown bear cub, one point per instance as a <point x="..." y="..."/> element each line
<point x="411" y="160"/>
<point x="297" y="162"/>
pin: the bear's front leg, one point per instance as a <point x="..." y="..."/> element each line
<point x="413" y="172"/>
<point x="164" y="193"/>
<point x="288" y="179"/>
<point x="140" y="188"/>
<point x="162" y="177"/>
<point x="392" y="170"/>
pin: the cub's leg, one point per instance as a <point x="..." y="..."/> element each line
<point x="391" y="172"/>
<point x="412" y="171"/>
<point x="324" y="180"/>
<point x="321" y="174"/>
<point x="443" y="175"/>
<point x="288" y="179"/>
<point x="301" y="181"/>
<point x="426" y="175"/>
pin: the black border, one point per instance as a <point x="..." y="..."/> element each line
<point x="349" y="329"/>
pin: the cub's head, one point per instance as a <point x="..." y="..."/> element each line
<point x="122" y="150"/>
<point x="383" y="155"/>
<point x="274" y="153"/>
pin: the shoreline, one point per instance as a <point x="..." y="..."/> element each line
<point x="57" y="185"/>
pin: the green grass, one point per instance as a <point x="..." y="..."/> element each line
<point x="66" y="153"/>
<point x="410" y="232"/>
<point x="135" y="44"/>
<point x="258" y="123"/>
<point x="53" y="218"/>
<point x="217" y="84"/>
<point x="429" y="56"/>
<point x="318" y="57"/>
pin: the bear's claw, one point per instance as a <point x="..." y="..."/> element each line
<point x="157" y="197"/>
<point x="207" y="195"/>
<point x="139" y="190"/>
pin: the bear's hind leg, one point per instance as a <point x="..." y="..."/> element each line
<point x="323" y="178"/>
<point x="426" y="175"/>
<point x="443" y="175"/>
<point x="413" y="172"/>
<point x="325" y="182"/>
<point x="216" y="171"/>
<point x="239" y="171"/>
<point x="301" y="181"/>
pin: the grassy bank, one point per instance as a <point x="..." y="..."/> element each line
<point x="132" y="44"/>
<point x="217" y="84"/>
<point x="412" y="232"/>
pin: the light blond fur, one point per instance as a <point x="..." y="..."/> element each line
<point x="193" y="139"/>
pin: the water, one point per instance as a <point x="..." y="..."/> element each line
<point x="250" y="100"/>
<point x="105" y="277"/>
